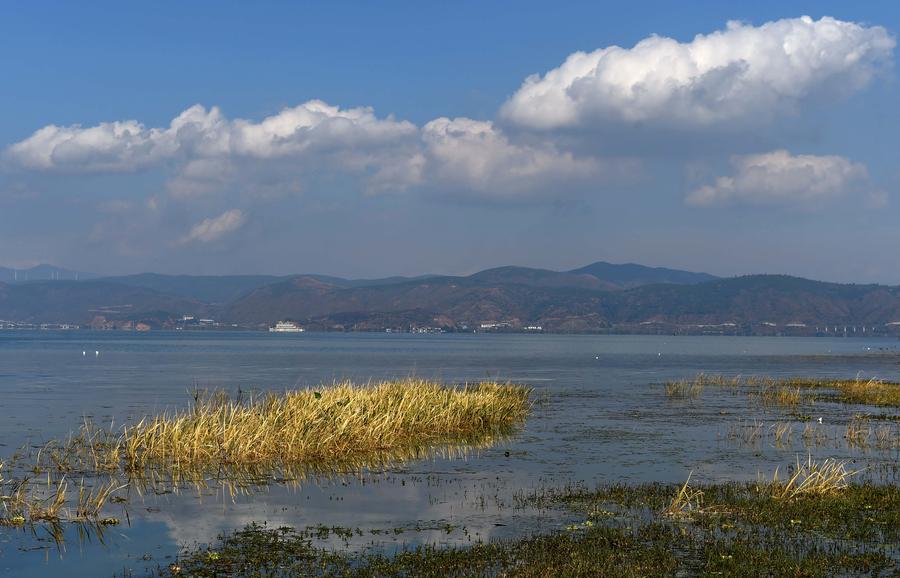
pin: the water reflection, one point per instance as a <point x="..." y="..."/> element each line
<point x="605" y="417"/>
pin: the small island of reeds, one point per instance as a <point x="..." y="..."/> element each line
<point x="335" y="429"/>
<point x="332" y="424"/>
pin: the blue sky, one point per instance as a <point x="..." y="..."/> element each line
<point x="425" y="151"/>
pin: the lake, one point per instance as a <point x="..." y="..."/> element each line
<point x="602" y="415"/>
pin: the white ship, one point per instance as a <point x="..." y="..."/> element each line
<point x="286" y="327"/>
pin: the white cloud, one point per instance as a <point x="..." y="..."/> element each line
<point x="778" y="177"/>
<point x="478" y="157"/>
<point x="198" y="133"/>
<point x="210" y="153"/>
<point x="107" y="147"/>
<point x="215" y="228"/>
<point x="741" y="74"/>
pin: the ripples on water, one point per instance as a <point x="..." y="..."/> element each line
<point x="602" y="416"/>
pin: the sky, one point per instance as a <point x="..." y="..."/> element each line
<point x="401" y="138"/>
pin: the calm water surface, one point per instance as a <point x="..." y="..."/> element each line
<point x="603" y="416"/>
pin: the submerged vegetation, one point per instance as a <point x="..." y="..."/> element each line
<point x="814" y="524"/>
<point x="788" y="392"/>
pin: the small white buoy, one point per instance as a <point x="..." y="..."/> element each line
<point x="96" y="354"/>
<point x="596" y="357"/>
<point x="659" y="354"/>
<point x="83" y="353"/>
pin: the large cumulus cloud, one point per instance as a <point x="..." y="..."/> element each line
<point x="738" y="76"/>
<point x="742" y="74"/>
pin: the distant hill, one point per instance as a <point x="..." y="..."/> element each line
<point x="540" y="278"/>
<point x="221" y="289"/>
<point x="80" y="301"/>
<point x="209" y="289"/>
<point x="599" y="297"/>
<point x="452" y="299"/>
<point x="42" y="273"/>
<point x="744" y="302"/>
<point x="629" y="275"/>
<point x="778" y="299"/>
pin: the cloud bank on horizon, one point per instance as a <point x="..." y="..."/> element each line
<point x="554" y="137"/>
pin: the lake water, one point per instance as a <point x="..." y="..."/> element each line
<point x="602" y="416"/>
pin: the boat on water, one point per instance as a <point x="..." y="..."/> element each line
<point x="286" y="327"/>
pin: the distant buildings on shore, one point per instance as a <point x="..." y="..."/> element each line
<point x="652" y="326"/>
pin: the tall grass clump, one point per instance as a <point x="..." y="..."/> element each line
<point x="686" y="501"/>
<point x="684" y="389"/>
<point x="824" y="478"/>
<point x="859" y="390"/>
<point x="781" y="395"/>
<point x="331" y="425"/>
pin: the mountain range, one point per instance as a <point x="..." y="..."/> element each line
<point x="601" y="297"/>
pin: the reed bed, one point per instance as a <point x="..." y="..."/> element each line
<point x="862" y="391"/>
<point x="684" y="389"/>
<point x="251" y="440"/>
<point x="788" y="392"/>
<point x="780" y="395"/>
<point x="693" y="387"/>
<point x="333" y="424"/>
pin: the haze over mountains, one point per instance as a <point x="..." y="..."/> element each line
<point x="598" y="297"/>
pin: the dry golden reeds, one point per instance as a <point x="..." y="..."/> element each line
<point x="332" y="424"/>
<point x="812" y="479"/>
<point x="686" y="501"/>
<point x="783" y="433"/>
<point x="249" y="441"/>
<point x="870" y="392"/>
<point x="858" y="432"/>
<point x="684" y="389"/>
<point x="781" y="395"/>
<point x="787" y="391"/>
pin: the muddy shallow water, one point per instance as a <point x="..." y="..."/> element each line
<point x="602" y="415"/>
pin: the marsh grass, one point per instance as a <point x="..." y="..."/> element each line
<point x="246" y="442"/>
<point x="783" y="433"/>
<point x="887" y="437"/>
<point x="780" y="395"/>
<point x="858" y="433"/>
<point x="685" y="501"/>
<point x="814" y="435"/>
<point x="748" y="433"/>
<point x="824" y="478"/>
<point x="684" y="389"/>
<point x="788" y="392"/>
<point x="741" y="530"/>
<point x="334" y="424"/>
<point x="692" y="388"/>
<point x="869" y="392"/>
